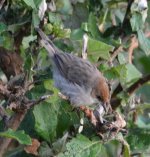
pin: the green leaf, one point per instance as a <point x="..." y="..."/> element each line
<point x="60" y="144"/>
<point x="136" y="22"/>
<point x="123" y="57"/>
<point x="77" y="34"/>
<point x="144" y="42"/>
<point x="20" y="136"/>
<point x="35" y="18"/>
<point x="54" y="18"/>
<point x="144" y="62"/>
<point x="113" y="147"/>
<point x="30" y="3"/>
<point x="45" y="150"/>
<point x="6" y="41"/>
<point x="64" y="6"/>
<point x="139" y="139"/>
<point x="132" y="73"/>
<point x="127" y="74"/>
<point x="46" y="114"/>
<point x="16" y="27"/>
<point x="92" y="26"/>
<point x="97" y="49"/>
<point x="81" y="146"/>
<point x="28" y="63"/>
<point x="3" y="27"/>
<point x="46" y="120"/>
<point x="26" y="40"/>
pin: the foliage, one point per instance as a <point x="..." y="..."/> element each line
<point x="54" y="122"/>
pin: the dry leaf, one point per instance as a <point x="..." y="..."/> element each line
<point x="32" y="149"/>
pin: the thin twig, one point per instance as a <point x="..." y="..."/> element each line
<point x="115" y="53"/>
<point x="138" y="84"/>
<point x="134" y="44"/>
<point x="115" y="102"/>
<point x="125" y="20"/>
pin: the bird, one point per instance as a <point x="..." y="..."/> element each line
<point x="76" y="78"/>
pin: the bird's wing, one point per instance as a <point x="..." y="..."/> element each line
<point x="75" y="69"/>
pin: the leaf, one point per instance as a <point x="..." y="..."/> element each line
<point x="20" y="136"/>
<point x="46" y="120"/>
<point x="144" y="62"/>
<point x="42" y="9"/>
<point x="30" y="3"/>
<point x="81" y="146"/>
<point x="77" y="34"/>
<point x="6" y="41"/>
<point x="35" y="18"/>
<point x="144" y="42"/>
<point x="139" y="139"/>
<point x="28" y="63"/>
<point x="92" y="26"/>
<point x="117" y="147"/>
<point x="132" y="73"/>
<point x="127" y="74"/>
<point x="54" y="18"/>
<point x="3" y="27"/>
<point x="136" y="22"/>
<point x="46" y="115"/>
<point x="15" y="27"/>
<point x="33" y="149"/>
<point x="64" y="6"/>
<point x="97" y="49"/>
<point x="45" y="150"/>
<point x="26" y="40"/>
<point x="60" y="144"/>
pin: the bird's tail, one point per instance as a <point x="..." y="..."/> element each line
<point x="47" y="43"/>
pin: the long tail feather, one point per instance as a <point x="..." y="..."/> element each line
<point x="47" y="43"/>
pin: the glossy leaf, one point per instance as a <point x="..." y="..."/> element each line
<point x="20" y="136"/>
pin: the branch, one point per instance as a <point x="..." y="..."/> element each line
<point x="14" y="123"/>
<point x="16" y="120"/>
<point x="138" y="84"/>
<point x="127" y="13"/>
<point x="20" y="105"/>
<point x="134" y="44"/>
<point x="115" y="102"/>
<point x="115" y="53"/>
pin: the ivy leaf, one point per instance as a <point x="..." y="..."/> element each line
<point x="144" y="42"/>
<point x="136" y="22"/>
<point x="92" y="26"/>
<point x="27" y="40"/>
<point x="127" y="73"/>
<point x="20" y="136"/>
<point x="97" y="49"/>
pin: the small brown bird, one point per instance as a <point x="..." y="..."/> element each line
<point x="77" y="78"/>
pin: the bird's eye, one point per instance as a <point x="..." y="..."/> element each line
<point x="98" y="97"/>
